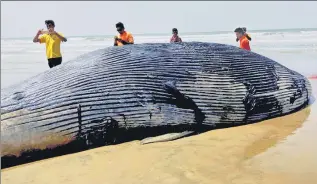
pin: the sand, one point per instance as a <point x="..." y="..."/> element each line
<point x="278" y="151"/>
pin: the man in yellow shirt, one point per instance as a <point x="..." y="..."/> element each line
<point x="52" y="40"/>
<point x="123" y="37"/>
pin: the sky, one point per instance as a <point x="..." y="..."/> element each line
<point x="83" y="18"/>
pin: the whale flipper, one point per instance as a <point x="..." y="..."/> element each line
<point x="166" y="137"/>
<point x="183" y="101"/>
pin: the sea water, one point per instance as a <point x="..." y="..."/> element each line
<point x="294" y="48"/>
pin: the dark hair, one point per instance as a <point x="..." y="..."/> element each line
<point x="239" y="30"/>
<point x="248" y="37"/>
<point x="120" y="24"/>
<point x="244" y="29"/>
<point x="49" y="22"/>
<point x="174" y="30"/>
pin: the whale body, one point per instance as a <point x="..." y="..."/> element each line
<point x="120" y="93"/>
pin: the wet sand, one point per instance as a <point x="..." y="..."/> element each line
<point x="278" y="151"/>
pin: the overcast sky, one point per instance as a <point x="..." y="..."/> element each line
<point x="23" y="19"/>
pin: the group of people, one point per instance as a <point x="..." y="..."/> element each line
<point x="53" y="39"/>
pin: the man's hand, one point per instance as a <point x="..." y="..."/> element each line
<point x="36" y="38"/>
<point x="115" y="41"/>
<point x="58" y="35"/>
<point x="39" y="32"/>
<point x="118" y="39"/>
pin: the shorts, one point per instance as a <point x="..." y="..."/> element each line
<point x="54" y="62"/>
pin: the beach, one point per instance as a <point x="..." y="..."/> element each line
<point x="276" y="151"/>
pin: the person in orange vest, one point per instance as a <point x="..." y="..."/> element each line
<point x="246" y="34"/>
<point x="244" y="42"/>
<point x="124" y="37"/>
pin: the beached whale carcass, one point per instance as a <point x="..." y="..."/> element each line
<point x="122" y="92"/>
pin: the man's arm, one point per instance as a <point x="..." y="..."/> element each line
<point x="130" y="40"/>
<point x="125" y="43"/>
<point x="60" y="37"/>
<point x="36" y="38"/>
<point x="115" y="41"/>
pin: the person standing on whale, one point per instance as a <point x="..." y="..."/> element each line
<point x="52" y="40"/>
<point x="124" y="37"/>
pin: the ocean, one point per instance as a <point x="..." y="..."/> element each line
<point x="294" y="48"/>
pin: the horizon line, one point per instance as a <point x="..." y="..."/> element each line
<point x="255" y="30"/>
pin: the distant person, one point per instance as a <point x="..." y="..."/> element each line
<point x="246" y="34"/>
<point x="244" y="42"/>
<point x="175" y="37"/>
<point x="124" y="37"/>
<point x="52" y="40"/>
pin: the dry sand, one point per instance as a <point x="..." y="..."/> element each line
<point x="277" y="151"/>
